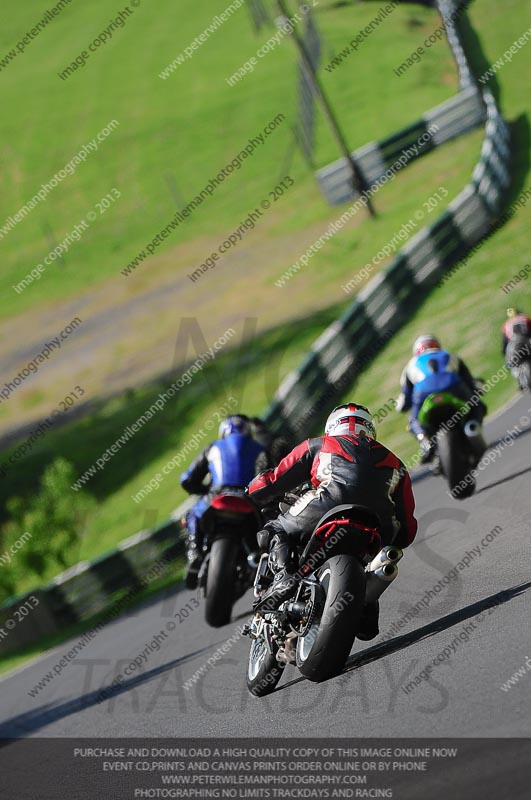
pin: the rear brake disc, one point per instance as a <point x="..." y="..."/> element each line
<point x="314" y="607"/>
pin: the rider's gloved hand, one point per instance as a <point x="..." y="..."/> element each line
<point x="280" y="553"/>
<point x="400" y="402"/>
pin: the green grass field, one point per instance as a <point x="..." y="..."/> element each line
<point x="468" y="310"/>
<point x="173" y="136"/>
<point x="187" y="127"/>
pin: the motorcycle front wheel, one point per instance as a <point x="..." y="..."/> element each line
<point x="263" y="669"/>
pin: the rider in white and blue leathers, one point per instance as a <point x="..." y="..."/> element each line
<point x="232" y="461"/>
<point x="433" y="369"/>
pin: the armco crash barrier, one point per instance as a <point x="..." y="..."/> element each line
<point x="453" y="118"/>
<point x="340" y="354"/>
<point x="350" y="343"/>
<point x="91" y="587"/>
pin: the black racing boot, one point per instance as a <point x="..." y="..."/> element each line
<point x="282" y="564"/>
<point x="195" y="560"/>
<point x="368" y="625"/>
<point x="426" y="449"/>
<point x="283" y="586"/>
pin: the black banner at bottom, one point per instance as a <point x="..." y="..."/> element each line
<point x="126" y="769"/>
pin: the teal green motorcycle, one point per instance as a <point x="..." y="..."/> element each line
<point x="457" y="438"/>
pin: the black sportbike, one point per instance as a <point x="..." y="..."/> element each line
<point x="315" y="628"/>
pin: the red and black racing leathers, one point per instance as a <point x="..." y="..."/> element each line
<point x="341" y="469"/>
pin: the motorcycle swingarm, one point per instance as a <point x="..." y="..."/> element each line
<point x="317" y="600"/>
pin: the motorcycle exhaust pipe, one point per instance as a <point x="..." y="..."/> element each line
<point x="474" y="434"/>
<point x="378" y="580"/>
<point x="387" y="555"/>
<point x="382" y="571"/>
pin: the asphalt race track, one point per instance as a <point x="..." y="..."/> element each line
<point x="484" y="609"/>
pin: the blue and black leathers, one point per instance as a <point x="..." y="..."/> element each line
<point x="232" y="463"/>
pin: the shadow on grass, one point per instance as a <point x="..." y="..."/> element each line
<point x="83" y="440"/>
<point x="519" y="128"/>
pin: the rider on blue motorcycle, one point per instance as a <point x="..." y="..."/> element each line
<point x="433" y="369"/>
<point x="231" y="461"/>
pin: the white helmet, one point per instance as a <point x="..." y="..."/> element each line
<point x="424" y="343"/>
<point x="350" y="420"/>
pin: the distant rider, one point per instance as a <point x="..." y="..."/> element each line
<point x="231" y="462"/>
<point x="346" y="465"/>
<point x="276" y="446"/>
<point x="516" y="338"/>
<point x="433" y="369"/>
